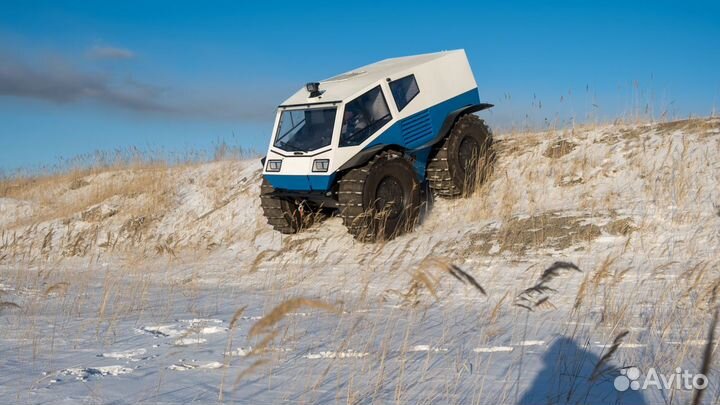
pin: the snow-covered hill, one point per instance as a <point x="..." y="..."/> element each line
<point x="163" y="284"/>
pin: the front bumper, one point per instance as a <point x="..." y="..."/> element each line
<point x="301" y="182"/>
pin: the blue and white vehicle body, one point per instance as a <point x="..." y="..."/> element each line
<point x="407" y="104"/>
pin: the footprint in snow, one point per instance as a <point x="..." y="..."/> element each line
<point x="131" y="355"/>
<point x="182" y="366"/>
<point x="350" y="354"/>
<point x="531" y="343"/>
<point x="493" y="349"/>
<point x="188" y="341"/>
<point x="209" y="330"/>
<point x="201" y="321"/>
<point x="239" y="352"/>
<point x="85" y="373"/>
<point x="161" y="330"/>
<point x="427" y="348"/>
<point x="186" y="330"/>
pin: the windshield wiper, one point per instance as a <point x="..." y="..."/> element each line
<point x="293" y="148"/>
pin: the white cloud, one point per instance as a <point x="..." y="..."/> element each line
<point x="110" y="52"/>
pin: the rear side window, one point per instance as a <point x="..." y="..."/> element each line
<point x="363" y="117"/>
<point x="404" y="90"/>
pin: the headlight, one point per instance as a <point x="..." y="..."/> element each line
<point x="274" y="165"/>
<point x="321" y="165"/>
<point x="312" y="87"/>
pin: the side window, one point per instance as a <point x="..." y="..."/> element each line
<point x="363" y="117"/>
<point x="404" y="90"/>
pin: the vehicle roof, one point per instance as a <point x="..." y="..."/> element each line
<point x="340" y="87"/>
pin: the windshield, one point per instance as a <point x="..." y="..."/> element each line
<point x="305" y="130"/>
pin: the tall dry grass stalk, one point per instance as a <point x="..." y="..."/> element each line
<point x="537" y="295"/>
<point x="426" y="275"/>
<point x="600" y="368"/>
<point x="228" y="349"/>
<point x="279" y="312"/>
<point x="264" y="327"/>
<point x="707" y="354"/>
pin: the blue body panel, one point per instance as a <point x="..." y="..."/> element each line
<point x="410" y="133"/>
<point x="422" y="127"/>
<point x="301" y="182"/>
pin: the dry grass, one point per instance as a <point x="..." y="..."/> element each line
<point x="58" y="196"/>
<point x="120" y="209"/>
<point x="279" y="312"/>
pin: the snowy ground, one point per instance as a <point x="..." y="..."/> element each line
<point x="158" y="285"/>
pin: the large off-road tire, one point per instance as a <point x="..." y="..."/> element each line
<point x="283" y="215"/>
<point x="463" y="160"/>
<point x="381" y="199"/>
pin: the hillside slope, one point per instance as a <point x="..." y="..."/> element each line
<point x="159" y="259"/>
<point x="605" y="175"/>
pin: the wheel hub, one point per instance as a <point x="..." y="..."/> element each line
<point x="389" y="197"/>
<point x="468" y="154"/>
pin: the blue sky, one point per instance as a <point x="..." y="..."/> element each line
<point x="173" y="76"/>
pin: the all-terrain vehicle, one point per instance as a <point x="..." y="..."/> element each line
<point x="365" y="144"/>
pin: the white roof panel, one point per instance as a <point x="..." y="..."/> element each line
<point x="340" y="87"/>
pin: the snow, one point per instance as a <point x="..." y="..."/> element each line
<point x="166" y="315"/>
<point x="336" y="355"/>
<point x="11" y="209"/>
<point x="427" y="348"/>
<point x="532" y="343"/>
<point x="88" y="372"/>
<point x="190" y="366"/>
<point x="125" y="354"/>
<point x="190" y="341"/>
<point x="201" y="321"/>
<point x="494" y="349"/>
<point x="239" y="352"/>
<point x="209" y="330"/>
<point x="161" y="330"/>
